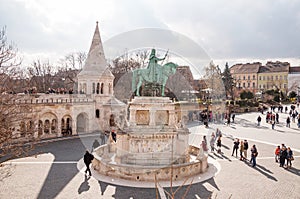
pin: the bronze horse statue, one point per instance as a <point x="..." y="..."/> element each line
<point x="160" y="76"/>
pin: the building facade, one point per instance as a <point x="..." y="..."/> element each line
<point x="91" y="110"/>
<point x="274" y="75"/>
<point x="245" y="76"/>
<point x="294" y="80"/>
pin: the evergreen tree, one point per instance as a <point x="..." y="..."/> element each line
<point x="228" y="82"/>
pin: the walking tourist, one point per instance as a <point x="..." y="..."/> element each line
<point x="298" y="120"/>
<point x="258" y="120"/>
<point x="273" y="124"/>
<point x="254" y="154"/>
<point x="204" y="144"/>
<point x="236" y="144"/>
<point x="277" y="153"/>
<point x="283" y="155"/>
<point x="277" y="118"/>
<point x="245" y="149"/>
<point x="290" y="157"/>
<point x="87" y="158"/>
<point x="288" y="122"/>
<point x="212" y="142"/>
<point x="242" y="150"/>
<point x="218" y="133"/>
<point x="219" y="144"/>
<point x="233" y="117"/>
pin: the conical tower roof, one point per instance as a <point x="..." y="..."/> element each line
<point x="95" y="64"/>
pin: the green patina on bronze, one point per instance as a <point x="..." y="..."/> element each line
<point x="155" y="74"/>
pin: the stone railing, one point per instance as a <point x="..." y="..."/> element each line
<point x="51" y="99"/>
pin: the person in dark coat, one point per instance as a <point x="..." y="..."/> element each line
<point x="233" y="116"/>
<point x="254" y="154"/>
<point x="87" y="158"/>
<point x="258" y="120"/>
<point x="283" y="156"/>
<point x="219" y="144"/>
<point x="236" y="144"/>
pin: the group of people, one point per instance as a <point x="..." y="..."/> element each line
<point x="284" y="155"/>
<point x="243" y="147"/>
<point x="215" y="137"/>
<point x="272" y="117"/>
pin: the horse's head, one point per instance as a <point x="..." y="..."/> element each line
<point x="170" y="68"/>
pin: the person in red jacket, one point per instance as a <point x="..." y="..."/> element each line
<point x="277" y="153"/>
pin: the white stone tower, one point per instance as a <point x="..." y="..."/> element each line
<point x="95" y="77"/>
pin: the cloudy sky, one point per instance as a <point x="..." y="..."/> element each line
<point x="233" y="31"/>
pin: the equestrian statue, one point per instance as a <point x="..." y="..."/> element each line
<point x="155" y="74"/>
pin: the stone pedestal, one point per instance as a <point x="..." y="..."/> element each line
<point x="152" y="137"/>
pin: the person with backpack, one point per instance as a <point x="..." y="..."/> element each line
<point x="87" y="158"/>
<point x="289" y="158"/>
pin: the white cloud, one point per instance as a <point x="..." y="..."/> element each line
<point x="227" y="30"/>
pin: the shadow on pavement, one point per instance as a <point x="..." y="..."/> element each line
<point x="84" y="185"/>
<point x="212" y="156"/>
<point x="247" y="123"/>
<point x="224" y="146"/>
<point x="198" y="190"/>
<point x="262" y="170"/>
<point x="294" y="171"/>
<point x="125" y="192"/>
<point x="67" y="153"/>
<point x="225" y="157"/>
<point x="103" y="186"/>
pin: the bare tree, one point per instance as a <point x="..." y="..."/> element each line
<point x="214" y="82"/>
<point x="41" y="74"/>
<point x="69" y="67"/>
<point x="16" y="123"/>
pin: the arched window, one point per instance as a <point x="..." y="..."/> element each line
<point x="97" y="113"/>
<point x="40" y="128"/>
<point x="80" y="88"/>
<point x="101" y="89"/>
<point x="54" y="126"/>
<point x="47" y="126"/>
<point x="253" y="84"/>
<point x="109" y="88"/>
<point x="253" y="77"/>
<point x="63" y="127"/>
<point x="98" y="88"/>
<point x="94" y="88"/>
<point x="84" y="88"/>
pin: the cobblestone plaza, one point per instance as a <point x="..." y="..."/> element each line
<point x="58" y="171"/>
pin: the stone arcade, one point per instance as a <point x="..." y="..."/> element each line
<point x="87" y="111"/>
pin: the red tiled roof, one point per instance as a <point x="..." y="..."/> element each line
<point x="245" y="68"/>
<point x="295" y="69"/>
